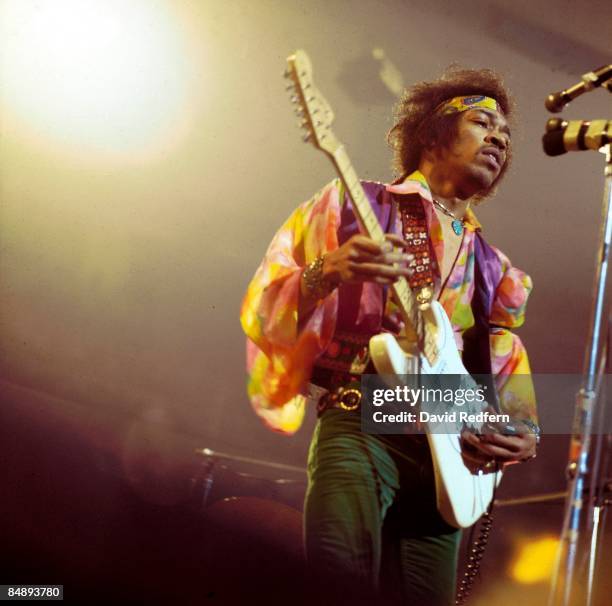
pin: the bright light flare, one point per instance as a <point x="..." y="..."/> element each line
<point x="534" y="560"/>
<point x="110" y="76"/>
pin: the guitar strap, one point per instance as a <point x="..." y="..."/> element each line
<point x="414" y="227"/>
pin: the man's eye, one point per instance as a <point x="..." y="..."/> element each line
<point x="481" y="122"/>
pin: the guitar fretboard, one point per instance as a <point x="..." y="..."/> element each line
<point x="371" y="227"/>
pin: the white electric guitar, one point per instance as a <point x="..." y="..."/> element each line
<point x="463" y="494"/>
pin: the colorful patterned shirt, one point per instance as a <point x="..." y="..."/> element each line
<point x="281" y="351"/>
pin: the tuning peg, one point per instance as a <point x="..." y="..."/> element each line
<point x="307" y="137"/>
<point x="287" y="74"/>
<point x="290" y="86"/>
<point x="299" y="112"/>
<point x="294" y="99"/>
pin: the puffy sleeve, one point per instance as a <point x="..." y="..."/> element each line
<point x="509" y="361"/>
<point x="281" y="352"/>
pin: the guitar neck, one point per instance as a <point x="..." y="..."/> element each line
<point x="363" y="209"/>
<point x="371" y="227"/>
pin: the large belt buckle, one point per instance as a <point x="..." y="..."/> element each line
<point x="349" y="399"/>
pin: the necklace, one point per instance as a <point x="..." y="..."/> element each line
<point x="457" y="224"/>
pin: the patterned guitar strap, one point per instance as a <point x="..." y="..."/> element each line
<point x="414" y="229"/>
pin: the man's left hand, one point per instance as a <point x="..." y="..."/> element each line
<point x="480" y="450"/>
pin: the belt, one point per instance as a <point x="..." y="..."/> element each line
<point x="346" y="398"/>
<point x="343" y="389"/>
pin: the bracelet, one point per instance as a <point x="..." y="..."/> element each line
<point x="315" y="282"/>
<point x="534" y="428"/>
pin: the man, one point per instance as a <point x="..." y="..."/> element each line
<point x="372" y="531"/>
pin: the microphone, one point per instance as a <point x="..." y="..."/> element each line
<point x="555" y="102"/>
<point x="575" y="135"/>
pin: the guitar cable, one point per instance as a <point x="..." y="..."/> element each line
<point x="476" y="549"/>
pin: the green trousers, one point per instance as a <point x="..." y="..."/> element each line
<point x="372" y="530"/>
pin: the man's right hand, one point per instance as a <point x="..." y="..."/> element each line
<point x="361" y="259"/>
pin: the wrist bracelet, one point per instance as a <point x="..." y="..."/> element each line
<point x="314" y="280"/>
<point x="534" y="428"/>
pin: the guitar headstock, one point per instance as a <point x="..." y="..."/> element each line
<point x="316" y="113"/>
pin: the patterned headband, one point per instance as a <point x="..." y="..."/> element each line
<point x="462" y="104"/>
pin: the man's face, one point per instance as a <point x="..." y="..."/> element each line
<point x="476" y="157"/>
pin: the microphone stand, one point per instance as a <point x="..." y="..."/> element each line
<point x="565" y="577"/>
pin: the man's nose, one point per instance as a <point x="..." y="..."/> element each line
<point x="496" y="139"/>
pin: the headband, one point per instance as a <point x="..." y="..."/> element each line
<point x="462" y="104"/>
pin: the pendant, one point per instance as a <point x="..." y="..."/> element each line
<point x="457" y="226"/>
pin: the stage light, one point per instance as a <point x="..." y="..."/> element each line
<point x="105" y="76"/>
<point x="534" y="560"/>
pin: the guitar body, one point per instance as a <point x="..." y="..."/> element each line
<point x="462" y="494"/>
